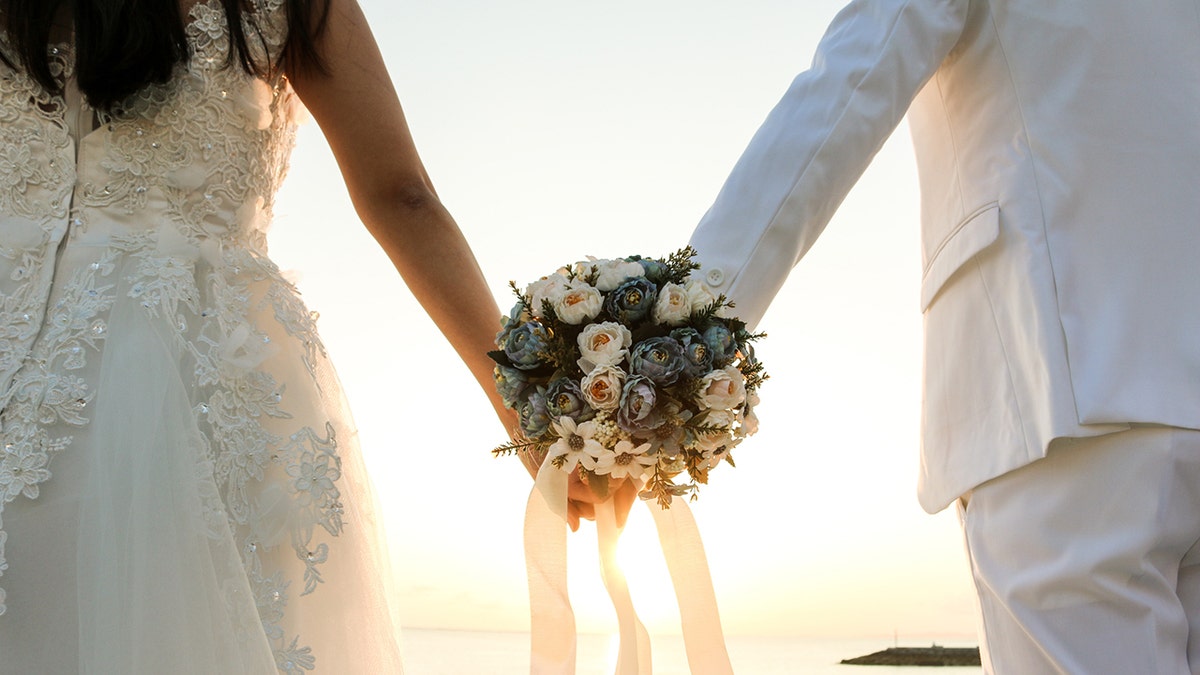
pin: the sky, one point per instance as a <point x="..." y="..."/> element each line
<point x="556" y="129"/>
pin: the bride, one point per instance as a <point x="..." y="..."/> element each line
<point x="180" y="489"/>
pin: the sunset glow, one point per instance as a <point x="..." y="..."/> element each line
<point x="557" y="130"/>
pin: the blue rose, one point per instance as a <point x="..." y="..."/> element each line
<point x="525" y="345"/>
<point x="631" y="302"/>
<point x="510" y="322"/>
<point x="720" y="342"/>
<point x="535" y="421"/>
<point x="660" y="359"/>
<point x="564" y="397"/>
<point x="656" y="271"/>
<point x="510" y="383"/>
<point x="636" y="413"/>
<point x="696" y="354"/>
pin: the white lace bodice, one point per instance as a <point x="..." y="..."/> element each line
<point x="167" y="201"/>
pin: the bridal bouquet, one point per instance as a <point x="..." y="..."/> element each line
<point x="628" y="368"/>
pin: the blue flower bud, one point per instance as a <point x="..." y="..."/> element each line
<point x="637" y="413"/>
<point x="511" y="383"/>
<point x="525" y="345"/>
<point x="631" y="302"/>
<point x="696" y="352"/>
<point x="564" y="397"/>
<point x="660" y="359"/>
<point x="720" y="341"/>
<point x="535" y="421"/>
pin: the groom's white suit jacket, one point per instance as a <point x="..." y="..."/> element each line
<point x="1058" y="146"/>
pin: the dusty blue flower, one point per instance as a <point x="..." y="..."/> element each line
<point x="535" y="421"/>
<point x="636" y="413"/>
<point x="631" y="302"/>
<point x="508" y="323"/>
<point x="510" y="384"/>
<point x="525" y="345"/>
<point x="565" y="398"/>
<point x="696" y="353"/>
<point x="656" y="271"/>
<point x="720" y="341"/>
<point x="660" y="359"/>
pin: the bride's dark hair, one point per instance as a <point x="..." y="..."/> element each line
<point x="123" y="45"/>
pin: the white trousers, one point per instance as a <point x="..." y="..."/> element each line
<point x="1087" y="562"/>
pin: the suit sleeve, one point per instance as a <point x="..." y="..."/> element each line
<point x="817" y="141"/>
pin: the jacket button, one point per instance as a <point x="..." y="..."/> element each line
<point x="715" y="277"/>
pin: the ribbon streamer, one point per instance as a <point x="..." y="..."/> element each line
<point x="688" y="566"/>
<point x="634" y="655"/>
<point x="553" y="620"/>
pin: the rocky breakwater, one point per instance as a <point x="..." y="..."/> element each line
<point x="935" y="655"/>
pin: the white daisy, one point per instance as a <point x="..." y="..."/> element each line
<point x="575" y="443"/>
<point x="625" y="460"/>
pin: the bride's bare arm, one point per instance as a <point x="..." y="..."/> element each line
<point x="356" y="106"/>
<point x="360" y="114"/>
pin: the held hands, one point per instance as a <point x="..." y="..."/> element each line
<point x="581" y="500"/>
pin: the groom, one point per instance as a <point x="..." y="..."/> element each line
<point x="1058" y="144"/>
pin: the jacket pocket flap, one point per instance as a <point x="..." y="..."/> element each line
<point x="972" y="235"/>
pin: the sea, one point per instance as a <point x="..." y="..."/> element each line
<point x="446" y="652"/>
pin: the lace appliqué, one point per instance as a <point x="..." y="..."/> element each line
<point x="202" y="156"/>
<point x="45" y="393"/>
<point x="36" y="152"/>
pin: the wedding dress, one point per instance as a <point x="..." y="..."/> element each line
<point x="180" y="487"/>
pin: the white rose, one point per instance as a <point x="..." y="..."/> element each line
<point x="602" y="387"/>
<point x="749" y="424"/>
<point x="711" y="441"/>
<point x="722" y="389"/>
<point x="603" y="344"/>
<point x="752" y="398"/>
<point x="584" y="267"/>
<point x="698" y="295"/>
<point x="578" y="303"/>
<point x="673" y="306"/>
<point x="546" y="288"/>
<point x="613" y="273"/>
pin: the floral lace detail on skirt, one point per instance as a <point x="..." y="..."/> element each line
<point x="150" y="229"/>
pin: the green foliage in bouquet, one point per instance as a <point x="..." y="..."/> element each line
<point x="628" y="368"/>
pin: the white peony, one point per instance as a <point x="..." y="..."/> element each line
<point x="546" y="288"/>
<point x="603" y="344"/>
<point x="583" y="268"/>
<point x="749" y="424"/>
<point x="722" y="389"/>
<point x="673" y="307"/>
<point x="602" y="387"/>
<point x="698" y="294"/>
<point x="578" y="303"/>
<point x="613" y="273"/>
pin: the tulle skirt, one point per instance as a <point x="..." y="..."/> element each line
<point x="207" y="509"/>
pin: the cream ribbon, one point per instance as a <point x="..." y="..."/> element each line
<point x="553" y="620"/>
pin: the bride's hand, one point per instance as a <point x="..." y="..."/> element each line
<point x="581" y="501"/>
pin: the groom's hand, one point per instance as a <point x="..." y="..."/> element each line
<point x="581" y="500"/>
